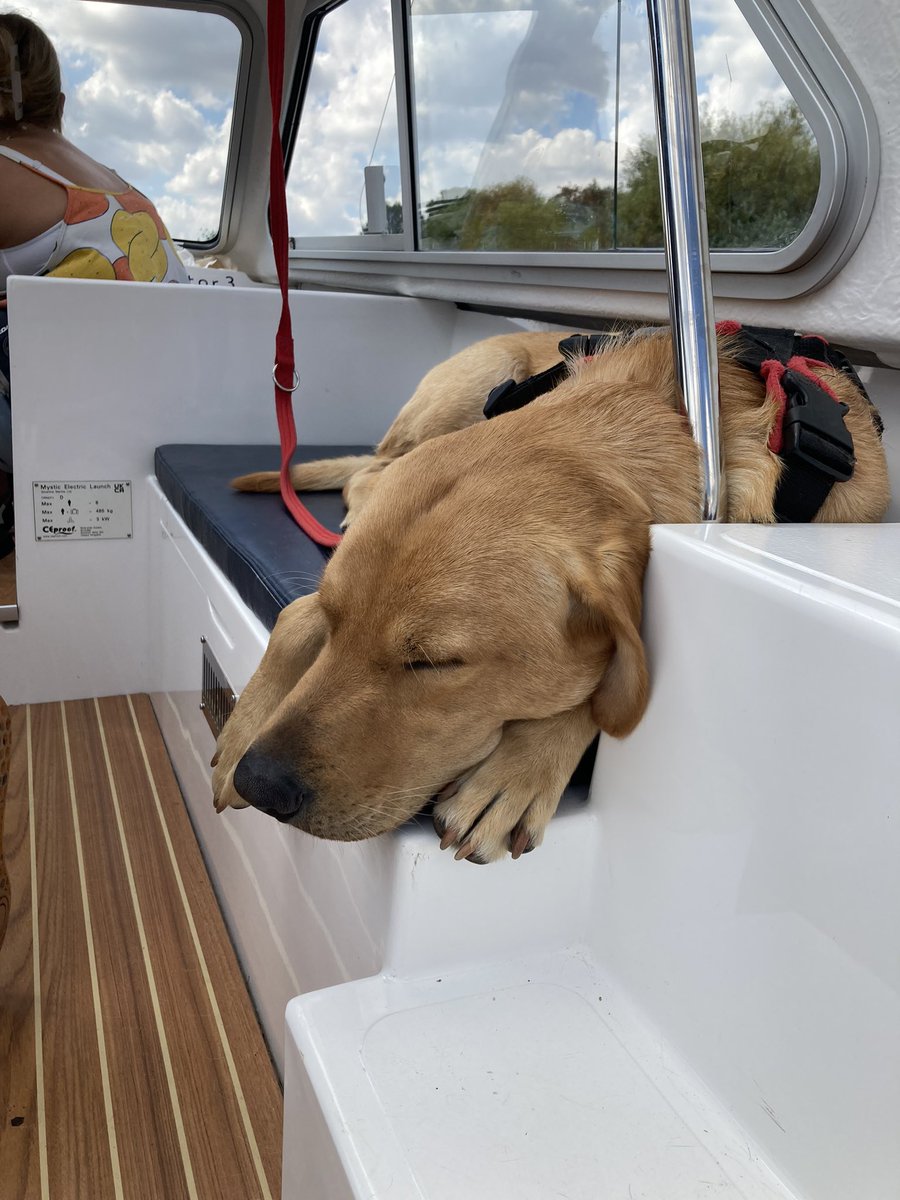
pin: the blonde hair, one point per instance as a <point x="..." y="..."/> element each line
<point x="31" y="93"/>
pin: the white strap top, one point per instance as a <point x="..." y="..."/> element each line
<point x="30" y="258"/>
<point x="18" y="157"/>
<point x="103" y="235"/>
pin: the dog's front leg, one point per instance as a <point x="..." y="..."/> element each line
<point x="296" y="640"/>
<point x="505" y="804"/>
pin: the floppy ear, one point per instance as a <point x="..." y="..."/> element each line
<point x="298" y="636"/>
<point x="609" y="595"/>
<point x="295" y="643"/>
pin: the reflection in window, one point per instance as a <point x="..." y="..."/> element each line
<point x="536" y="130"/>
<point x="349" y="122"/>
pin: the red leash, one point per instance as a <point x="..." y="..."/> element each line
<point x="284" y="372"/>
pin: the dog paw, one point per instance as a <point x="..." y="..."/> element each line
<point x="492" y="814"/>
<point x="224" y="795"/>
<point x="230" y="748"/>
<point x="505" y="804"/>
<point x="502" y="807"/>
<point x="293" y="648"/>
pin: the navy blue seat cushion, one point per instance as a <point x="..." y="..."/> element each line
<point x="251" y="537"/>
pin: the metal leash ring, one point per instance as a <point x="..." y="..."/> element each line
<point x="281" y="386"/>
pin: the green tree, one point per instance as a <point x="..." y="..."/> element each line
<point x="589" y="216"/>
<point x="442" y="221"/>
<point x="761" y="174"/>
<point x="512" y="216"/>
<point x="762" y="177"/>
<point x="508" y="216"/>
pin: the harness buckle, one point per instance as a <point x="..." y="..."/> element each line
<point x="814" y="431"/>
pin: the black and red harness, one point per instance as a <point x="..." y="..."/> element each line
<point x="809" y="434"/>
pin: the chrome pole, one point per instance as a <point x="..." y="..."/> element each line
<point x="687" y="244"/>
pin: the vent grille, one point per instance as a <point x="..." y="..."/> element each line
<point x="217" y="699"/>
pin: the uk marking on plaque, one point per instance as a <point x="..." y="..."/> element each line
<point x="82" y="510"/>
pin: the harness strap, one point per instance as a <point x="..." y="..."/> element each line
<point x="284" y="372"/>
<point x="509" y="395"/>
<point x="808" y="433"/>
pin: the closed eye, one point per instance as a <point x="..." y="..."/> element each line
<point x="425" y="664"/>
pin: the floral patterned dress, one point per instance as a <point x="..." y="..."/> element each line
<point x="107" y="235"/>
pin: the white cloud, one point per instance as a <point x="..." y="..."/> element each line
<point x="350" y="88"/>
<point x="572" y="156"/>
<point x="504" y="89"/>
<point x="141" y="98"/>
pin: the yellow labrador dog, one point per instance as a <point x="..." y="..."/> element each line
<point x="480" y="621"/>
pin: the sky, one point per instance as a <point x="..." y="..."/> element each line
<point x="504" y="88"/>
<point x="149" y="93"/>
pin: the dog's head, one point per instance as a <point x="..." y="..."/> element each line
<point x="479" y="586"/>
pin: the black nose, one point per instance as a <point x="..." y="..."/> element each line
<point x="269" y="786"/>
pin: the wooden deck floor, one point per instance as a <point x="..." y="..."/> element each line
<point x="131" y="1061"/>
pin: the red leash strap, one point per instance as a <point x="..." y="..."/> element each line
<point x="284" y="372"/>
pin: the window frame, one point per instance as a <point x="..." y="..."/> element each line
<point x="404" y="241"/>
<point x="809" y="62"/>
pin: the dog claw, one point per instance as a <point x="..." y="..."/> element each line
<point x="447" y="836"/>
<point x="464" y="851"/>
<point x="448" y="790"/>
<point x="519" y="844"/>
<point x="214" y="759"/>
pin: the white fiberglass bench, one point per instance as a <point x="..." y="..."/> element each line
<point x="722" y="1017"/>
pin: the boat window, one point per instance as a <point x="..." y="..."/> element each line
<point x="348" y="123"/>
<point x="150" y="91"/>
<point x="536" y="130"/>
<point x="526" y="144"/>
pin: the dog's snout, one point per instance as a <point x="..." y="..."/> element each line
<point x="269" y="786"/>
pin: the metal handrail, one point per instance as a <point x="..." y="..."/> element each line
<point x="687" y="242"/>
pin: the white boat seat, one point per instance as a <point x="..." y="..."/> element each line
<point x="531" y="1079"/>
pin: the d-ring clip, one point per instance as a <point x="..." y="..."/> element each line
<point x="281" y="386"/>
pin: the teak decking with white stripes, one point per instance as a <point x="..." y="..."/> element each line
<point x="131" y="1061"/>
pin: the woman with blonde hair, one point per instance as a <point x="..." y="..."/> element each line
<point x="61" y="213"/>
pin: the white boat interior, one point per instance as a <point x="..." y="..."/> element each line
<point x="692" y="989"/>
